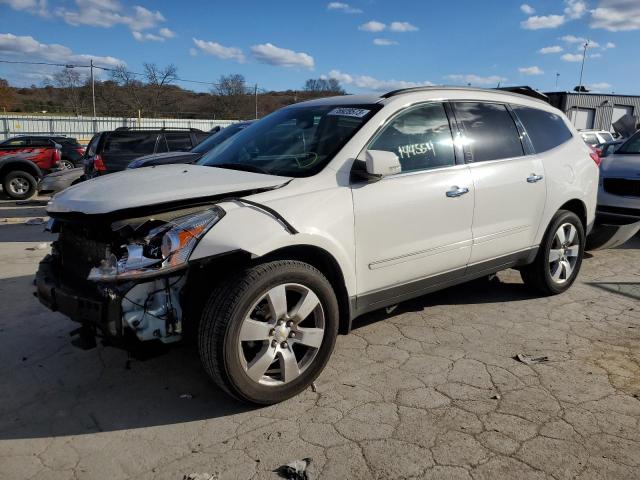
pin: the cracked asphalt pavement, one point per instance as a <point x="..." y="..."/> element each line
<point x="429" y="391"/>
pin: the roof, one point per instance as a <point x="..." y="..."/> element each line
<point x="601" y="94"/>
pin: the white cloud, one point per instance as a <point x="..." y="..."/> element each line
<point x="220" y="51"/>
<point x="595" y="55"/>
<point x="342" y="7"/>
<point x="28" y="48"/>
<point x="166" y="33"/>
<point x="402" y="27"/>
<point x="616" y="15"/>
<point x="535" y="70"/>
<point x="545" y="21"/>
<point x="36" y="7"/>
<point x="571" y="57"/>
<point x="143" y="37"/>
<point x="552" y="49"/>
<point x="108" y="13"/>
<point x="193" y="52"/>
<point x="384" y="42"/>
<point x="528" y="9"/>
<point x="366" y="82"/>
<point x="575" y="9"/>
<point x="573" y="39"/>
<point x="476" y="79"/>
<point x="272" y="55"/>
<point x="609" y="45"/>
<point x="372" y="26"/>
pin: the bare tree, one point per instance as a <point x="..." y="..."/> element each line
<point x="132" y="88"/>
<point x="7" y="95"/>
<point x="71" y="84"/>
<point x="323" y="87"/>
<point x="158" y="85"/>
<point x="231" y="99"/>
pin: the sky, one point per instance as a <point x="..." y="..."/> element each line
<point x="368" y="45"/>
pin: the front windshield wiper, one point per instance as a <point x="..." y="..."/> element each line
<point x="242" y="166"/>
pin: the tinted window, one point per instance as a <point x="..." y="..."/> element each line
<point x="93" y="146"/>
<point x="420" y="137"/>
<point x="39" y="142"/>
<point x="131" y="143"/>
<point x="16" y="142"/>
<point x="216" y="139"/>
<point x="546" y="130"/>
<point x="66" y="141"/>
<point x="178" y="141"/>
<point x="631" y="146"/>
<point x="490" y="131"/>
<point x="199" y="137"/>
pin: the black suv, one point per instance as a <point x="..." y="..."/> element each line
<point x="112" y="151"/>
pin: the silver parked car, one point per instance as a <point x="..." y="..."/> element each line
<point x="619" y="192"/>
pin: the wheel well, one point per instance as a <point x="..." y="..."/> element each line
<point x="577" y="206"/>
<point x="9" y="167"/>
<point x="323" y="261"/>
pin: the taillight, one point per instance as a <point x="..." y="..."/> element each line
<point x="98" y="164"/>
<point x="80" y="150"/>
<point x="593" y="153"/>
<point x="56" y="156"/>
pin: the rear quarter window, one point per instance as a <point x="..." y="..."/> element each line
<point x="546" y="130"/>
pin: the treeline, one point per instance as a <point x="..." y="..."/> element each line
<point x="155" y="93"/>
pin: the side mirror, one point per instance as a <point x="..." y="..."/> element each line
<point x="381" y="163"/>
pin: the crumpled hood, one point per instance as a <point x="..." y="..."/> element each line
<point x="627" y="166"/>
<point x="156" y="185"/>
<point x="164" y="159"/>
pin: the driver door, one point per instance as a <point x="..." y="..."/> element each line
<point x="413" y="229"/>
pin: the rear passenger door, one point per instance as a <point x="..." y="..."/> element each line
<point x="178" y="141"/>
<point x="510" y="190"/>
<point x="121" y="147"/>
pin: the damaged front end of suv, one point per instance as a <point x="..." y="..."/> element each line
<point x="123" y="276"/>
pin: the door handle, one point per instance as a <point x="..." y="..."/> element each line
<point x="457" y="191"/>
<point x="533" y="178"/>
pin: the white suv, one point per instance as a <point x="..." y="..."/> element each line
<point x="283" y="234"/>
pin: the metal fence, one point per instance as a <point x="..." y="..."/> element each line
<point x="84" y="128"/>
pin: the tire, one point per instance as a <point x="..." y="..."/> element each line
<point x="234" y="360"/>
<point x="67" y="164"/>
<point x="548" y="275"/>
<point x="19" y="185"/>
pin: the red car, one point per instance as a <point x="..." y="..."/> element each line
<point x="23" y="162"/>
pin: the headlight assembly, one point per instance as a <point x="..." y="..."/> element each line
<point x="163" y="250"/>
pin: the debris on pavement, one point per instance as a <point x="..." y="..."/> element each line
<point x="497" y="396"/>
<point x="186" y="396"/>
<point x="35" y="221"/>
<point x="40" y="246"/>
<point x="529" y="360"/>
<point x="201" y="476"/>
<point x="314" y="389"/>
<point x="295" y="470"/>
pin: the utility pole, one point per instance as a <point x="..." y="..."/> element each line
<point x="584" y="56"/>
<point x="557" y="77"/>
<point x="93" y="90"/>
<point x="255" y="90"/>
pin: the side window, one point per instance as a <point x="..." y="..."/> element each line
<point x="178" y="142"/>
<point x="490" y="131"/>
<point x="420" y="137"/>
<point x="546" y="130"/>
<point x="40" y="142"/>
<point x="199" y="137"/>
<point x="16" y="142"/>
<point x="93" y="146"/>
<point x="131" y="143"/>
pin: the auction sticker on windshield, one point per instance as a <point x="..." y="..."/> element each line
<point x="349" y="112"/>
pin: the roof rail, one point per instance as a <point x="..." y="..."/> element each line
<point x="521" y="91"/>
<point x="158" y="129"/>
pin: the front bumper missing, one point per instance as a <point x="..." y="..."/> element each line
<point x="101" y="310"/>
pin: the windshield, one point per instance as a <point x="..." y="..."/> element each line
<point x="631" y="146"/>
<point x="293" y="141"/>
<point x="216" y="139"/>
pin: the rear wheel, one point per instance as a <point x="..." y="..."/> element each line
<point x="560" y="256"/>
<point x="67" y="164"/>
<point x="19" y="185"/>
<point x="267" y="333"/>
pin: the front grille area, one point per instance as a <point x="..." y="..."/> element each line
<point x="80" y="251"/>
<point x="622" y="186"/>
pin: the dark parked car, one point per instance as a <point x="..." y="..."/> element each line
<point x="195" y="153"/>
<point x="112" y="151"/>
<point x="71" y="150"/>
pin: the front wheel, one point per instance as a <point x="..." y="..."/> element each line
<point x="67" y="164"/>
<point x="19" y="185"/>
<point x="266" y="334"/>
<point x="560" y="255"/>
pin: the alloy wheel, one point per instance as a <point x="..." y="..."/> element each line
<point x="564" y="253"/>
<point x="67" y="165"/>
<point x="19" y="186"/>
<point x="281" y="334"/>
